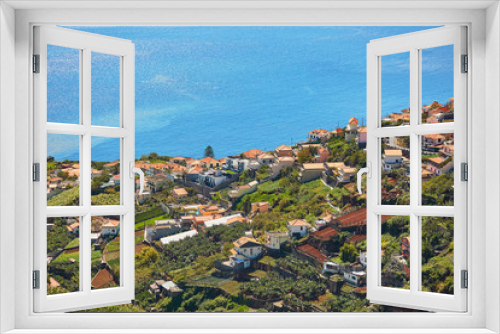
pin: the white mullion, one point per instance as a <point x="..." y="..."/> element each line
<point x="85" y="175"/>
<point x="392" y="210"/>
<point x="96" y="210"/>
<point x="392" y="131"/>
<point x="103" y="131"/>
<point x="427" y="129"/>
<point x="414" y="158"/>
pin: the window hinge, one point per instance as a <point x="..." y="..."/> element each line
<point x="36" y="279"/>
<point x="465" y="64"/>
<point x="465" y="279"/>
<point x="36" y="63"/>
<point x="464" y="171"/>
<point x="36" y="172"/>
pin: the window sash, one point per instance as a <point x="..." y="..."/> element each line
<point x="413" y="43"/>
<point x="86" y="43"/>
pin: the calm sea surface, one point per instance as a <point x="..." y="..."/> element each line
<point x="238" y="88"/>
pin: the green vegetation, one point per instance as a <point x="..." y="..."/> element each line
<point x="209" y="152"/>
<point x="68" y="197"/>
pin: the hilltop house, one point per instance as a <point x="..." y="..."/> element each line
<point x="266" y="159"/>
<point x="310" y="171"/>
<point x="433" y="142"/>
<point x="179" y="192"/>
<point x="298" y="227"/>
<point x="405" y="246"/>
<point x="338" y="132"/>
<point x="351" y="130"/>
<point x="161" y="229"/>
<point x="284" y="151"/>
<point x="260" y="207"/>
<point x="346" y="174"/>
<point x="211" y="178"/>
<point x="110" y="228"/>
<point x="209" y="162"/>
<point x="279" y="164"/>
<point x="355" y="278"/>
<point x="237" y="163"/>
<point x="319" y="135"/>
<point x="275" y="239"/>
<point x="392" y="159"/>
<point x="362" y="137"/>
<point x="248" y="247"/>
<point x="443" y="163"/>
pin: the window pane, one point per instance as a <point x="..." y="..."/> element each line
<point x="63" y="85"/>
<point x="395" y="252"/>
<point x="437" y="169"/>
<point x="105" y="239"/>
<point x="105" y="90"/>
<point x="437" y="254"/>
<point x="105" y="171"/>
<point x="437" y="84"/>
<point x="63" y="255"/>
<point x="395" y="170"/>
<point x="63" y="170"/>
<point x="395" y="94"/>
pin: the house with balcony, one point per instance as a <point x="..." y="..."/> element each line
<point x="346" y="174"/>
<point x="392" y="159"/>
<point x="310" y="171"/>
<point x="248" y="247"/>
<point x="284" y="151"/>
<point x="237" y="163"/>
<point x="319" y="135"/>
<point x="298" y="227"/>
<point x="433" y="142"/>
<point x="351" y="129"/>
<point x="266" y="159"/>
<point x="210" y="163"/>
<point x="110" y="228"/>
<point x="275" y="239"/>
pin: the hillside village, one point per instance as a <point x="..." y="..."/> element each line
<point x="276" y="231"/>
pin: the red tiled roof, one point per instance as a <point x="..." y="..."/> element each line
<point x="252" y="153"/>
<point x="312" y="252"/>
<point x="357" y="238"/>
<point x="325" y="234"/>
<point x="356" y="218"/>
<point x="103" y="279"/>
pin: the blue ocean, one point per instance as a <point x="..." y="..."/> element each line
<point x="238" y="88"/>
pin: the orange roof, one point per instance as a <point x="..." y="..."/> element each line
<point x="283" y="148"/>
<point x="434" y="136"/>
<point x="325" y="234"/>
<point x="319" y="132"/>
<point x="180" y="192"/>
<point x="112" y="222"/>
<point x="298" y="222"/>
<point x="209" y="160"/>
<point x="312" y="252"/>
<point x="353" y="120"/>
<point x="236" y="220"/>
<point x="103" y="279"/>
<point x="252" y="153"/>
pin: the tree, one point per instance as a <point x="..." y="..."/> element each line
<point x="304" y="156"/>
<point x="348" y="253"/>
<point x="209" y="151"/>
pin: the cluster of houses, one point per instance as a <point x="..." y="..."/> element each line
<point x="60" y="179"/>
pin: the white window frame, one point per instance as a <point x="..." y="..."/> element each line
<point x="413" y="43"/>
<point x="86" y="44"/>
<point x="484" y="102"/>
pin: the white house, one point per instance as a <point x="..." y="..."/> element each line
<point x="330" y="268"/>
<point x="298" y="227"/>
<point x="248" y="247"/>
<point x="392" y="159"/>
<point x="220" y="221"/>
<point x="178" y="237"/>
<point x="276" y="239"/>
<point x="110" y="228"/>
<point x="363" y="258"/>
<point x="356" y="278"/>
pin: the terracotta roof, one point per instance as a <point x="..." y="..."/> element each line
<point x="313" y="166"/>
<point x="209" y="160"/>
<point x="353" y="120"/>
<point x="319" y="132"/>
<point x="252" y="153"/>
<point x="434" y="136"/>
<point x="393" y="153"/>
<point x="356" y="218"/>
<point x="325" y="234"/>
<point x="236" y="220"/>
<point x="357" y="238"/>
<point x="180" y="192"/>
<point x="245" y="242"/>
<point x="298" y="222"/>
<point x="112" y="222"/>
<point x="283" y="148"/>
<point x="103" y="279"/>
<point x="53" y="283"/>
<point x="312" y="252"/>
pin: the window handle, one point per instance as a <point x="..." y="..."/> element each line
<point x="368" y="171"/>
<point x="133" y="171"/>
